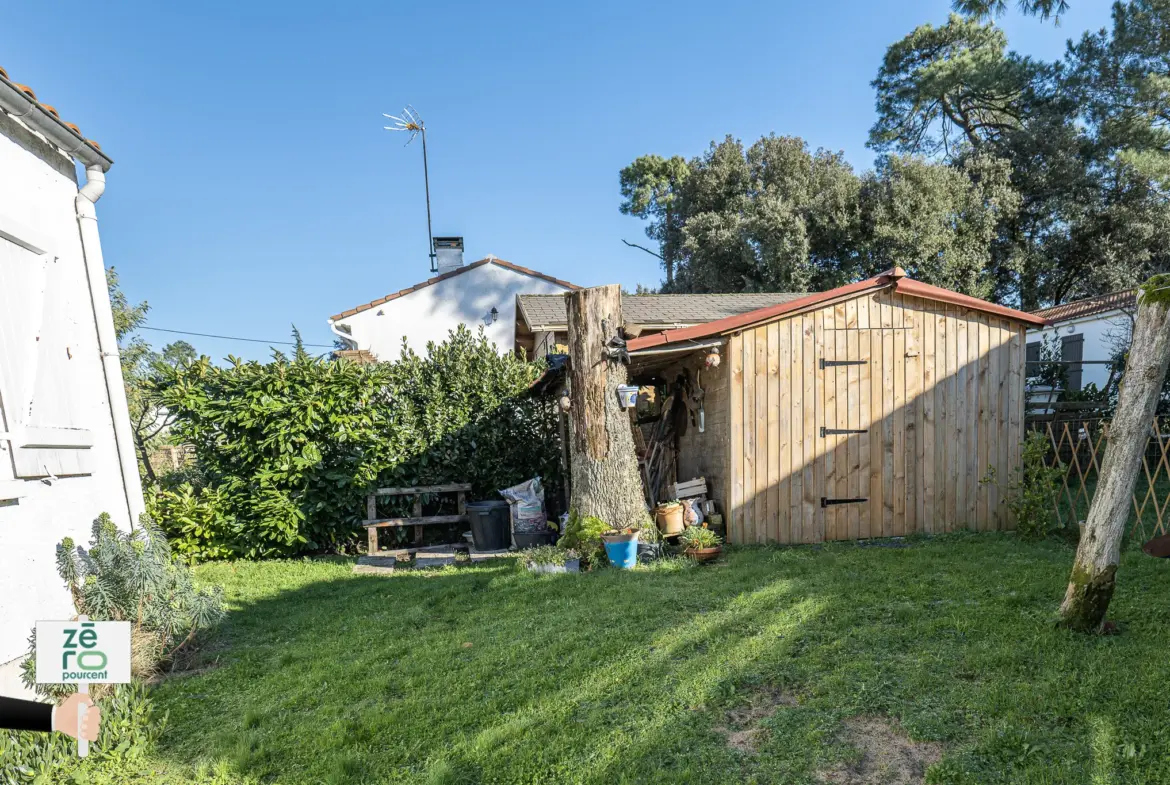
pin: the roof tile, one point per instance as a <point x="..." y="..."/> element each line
<point x="1090" y="306"/>
<point x="50" y="110"/>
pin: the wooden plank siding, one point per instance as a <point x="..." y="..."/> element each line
<point x="933" y="415"/>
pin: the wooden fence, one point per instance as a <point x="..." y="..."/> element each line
<point x="1079" y="446"/>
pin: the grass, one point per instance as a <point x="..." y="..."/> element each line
<point x="493" y="675"/>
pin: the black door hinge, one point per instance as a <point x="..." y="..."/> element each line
<point x="832" y="363"/>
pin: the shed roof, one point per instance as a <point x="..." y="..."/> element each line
<point x="547" y="311"/>
<point x="895" y="279"/>
<point x="1090" y="306"/>
<point x="451" y="274"/>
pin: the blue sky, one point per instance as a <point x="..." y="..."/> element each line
<point x="253" y="185"/>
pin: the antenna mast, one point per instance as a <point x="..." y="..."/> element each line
<point x="412" y="122"/>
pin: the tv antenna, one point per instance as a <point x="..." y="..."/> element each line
<point x="412" y="123"/>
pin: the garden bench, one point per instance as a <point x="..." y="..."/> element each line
<point x="418" y="521"/>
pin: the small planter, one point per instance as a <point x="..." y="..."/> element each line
<point x="627" y="396"/>
<point x="621" y="549"/>
<point x="649" y="551"/>
<point x="669" y="518"/>
<point x="704" y="555"/>
<point x="572" y="565"/>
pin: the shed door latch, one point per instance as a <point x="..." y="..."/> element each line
<point x="834" y="363"/>
<point x="825" y="502"/>
<point x="837" y="431"/>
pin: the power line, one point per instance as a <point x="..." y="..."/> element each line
<point x="235" y="338"/>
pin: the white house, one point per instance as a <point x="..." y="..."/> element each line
<point x="66" y="454"/>
<point x="1087" y="334"/>
<point x="479" y="294"/>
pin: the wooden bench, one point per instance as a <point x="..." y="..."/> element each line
<point x="418" y="521"/>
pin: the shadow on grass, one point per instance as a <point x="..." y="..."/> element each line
<point x="489" y="674"/>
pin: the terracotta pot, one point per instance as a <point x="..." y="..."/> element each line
<point x="669" y="518"/>
<point x="704" y="554"/>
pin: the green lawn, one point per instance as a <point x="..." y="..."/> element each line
<point x="750" y="670"/>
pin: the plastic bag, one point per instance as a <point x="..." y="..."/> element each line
<point x="527" y="503"/>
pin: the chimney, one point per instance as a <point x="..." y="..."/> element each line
<point x="448" y="254"/>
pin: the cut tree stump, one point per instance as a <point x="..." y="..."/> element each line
<point x="606" y="482"/>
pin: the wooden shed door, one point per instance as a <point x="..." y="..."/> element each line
<point x="864" y="431"/>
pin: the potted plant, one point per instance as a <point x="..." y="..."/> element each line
<point x="700" y="543"/>
<point x="621" y="547"/>
<point x="669" y="517"/>
<point x="549" y="558"/>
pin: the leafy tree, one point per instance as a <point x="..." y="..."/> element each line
<point x="651" y="190"/>
<point x="944" y="88"/>
<point x="141" y="365"/>
<point x="985" y="9"/>
<point x="936" y="221"/>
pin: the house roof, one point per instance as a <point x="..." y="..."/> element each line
<point x="1090" y="306"/>
<point x="547" y="311"/>
<point x="894" y="278"/>
<point x="45" y="118"/>
<point x="451" y="274"/>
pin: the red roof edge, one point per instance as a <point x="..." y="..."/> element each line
<point x="900" y="284"/>
<point x="926" y="291"/>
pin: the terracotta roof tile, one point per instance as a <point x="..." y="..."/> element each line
<point x="49" y="110"/>
<point x="451" y="274"/>
<point x="1090" y="306"/>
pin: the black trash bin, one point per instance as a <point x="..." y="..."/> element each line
<point x="489" y="525"/>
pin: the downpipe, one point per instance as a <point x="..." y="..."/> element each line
<point x="95" y="269"/>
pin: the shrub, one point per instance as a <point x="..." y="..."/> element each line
<point x="197" y="520"/>
<point x="290" y="447"/>
<point x="132" y="577"/>
<point x="121" y="577"/>
<point x="698" y="537"/>
<point x="583" y="535"/>
<point x="1031" y="499"/>
<point x="548" y="554"/>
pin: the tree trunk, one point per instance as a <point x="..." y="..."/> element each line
<point x="1091" y="584"/>
<point x="605" y="479"/>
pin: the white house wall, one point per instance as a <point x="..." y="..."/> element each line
<point x="1101" y="332"/>
<point x="430" y="313"/>
<point x="37" y="188"/>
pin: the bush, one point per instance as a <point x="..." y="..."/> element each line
<point x="698" y="537"/>
<point x="1031" y="499"/>
<point x="132" y="577"/>
<point x="121" y="577"/>
<point x="290" y="447"/>
<point x="583" y="535"/>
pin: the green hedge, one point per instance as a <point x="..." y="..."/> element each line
<point x="287" y="449"/>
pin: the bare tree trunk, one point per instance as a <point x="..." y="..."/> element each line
<point x="1091" y="584"/>
<point x="605" y="479"/>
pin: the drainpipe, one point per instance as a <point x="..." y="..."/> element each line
<point x="99" y="294"/>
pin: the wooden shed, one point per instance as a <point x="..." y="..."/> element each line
<point x="878" y="409"/>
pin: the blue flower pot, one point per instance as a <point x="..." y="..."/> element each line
<point x="622" y="551"/>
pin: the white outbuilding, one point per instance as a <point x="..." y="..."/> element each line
<point x="479" y="294"/>
<point x="66" y="454"/>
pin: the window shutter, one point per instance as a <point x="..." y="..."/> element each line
<point x="1072" y="350"/>
<point x="39" y="377"/>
